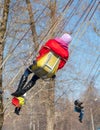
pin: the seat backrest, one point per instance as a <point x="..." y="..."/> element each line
<point x="47" y="65"/>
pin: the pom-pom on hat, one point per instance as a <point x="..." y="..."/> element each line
<point x="66" y="38"/>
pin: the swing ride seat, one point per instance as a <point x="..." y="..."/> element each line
<point x="46" y="66"/>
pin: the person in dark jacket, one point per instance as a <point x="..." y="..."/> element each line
<point x="57" y="45"/>
<point x="79" y="108"/>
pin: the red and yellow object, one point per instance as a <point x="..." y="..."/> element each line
<point x="18" y="101"/>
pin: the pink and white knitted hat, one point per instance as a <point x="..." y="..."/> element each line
<point x="66" y="38"/>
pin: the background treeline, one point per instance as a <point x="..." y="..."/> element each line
<point x="24" y="27"/>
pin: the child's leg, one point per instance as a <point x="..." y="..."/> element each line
<point x="81" y="115"/>
<point x="22" y="82"/>
<point x="24" y="77"/>
<point x="17" y="110"/>
<point x="30" y="84"/>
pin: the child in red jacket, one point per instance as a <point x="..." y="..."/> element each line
<point x="57" y="45"/>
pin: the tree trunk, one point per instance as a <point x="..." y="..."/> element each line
<point x="3" y="26"/>
<point x="52" y="6"/>
<point x="50" y="106"/>
<point x="32" y="24"/>
<point x="50" y="101"/>
<point x="51" y="85"/>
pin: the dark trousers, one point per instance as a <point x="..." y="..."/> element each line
<point x="22" y="88"/>
<point x="80" y="111"/>
<point x="28" y="72"/>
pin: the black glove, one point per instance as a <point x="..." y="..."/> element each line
<point x="34" y="62"/>
<point x="54" y="76"/>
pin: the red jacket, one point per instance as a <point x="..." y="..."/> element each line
<point x="15" y="102"/>
<point x="55" y="46"/>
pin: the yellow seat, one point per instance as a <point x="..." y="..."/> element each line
<point x="46" y="66"/>
<point x="21" y="100"/>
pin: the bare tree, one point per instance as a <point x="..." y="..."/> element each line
<point x="25" y="22"/>
<point x="32" y="23"/>
<point x="3" y="27"/>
